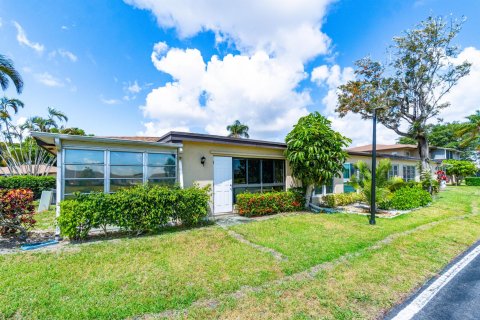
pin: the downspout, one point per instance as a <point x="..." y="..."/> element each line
<point x="180" y="167"/>
<point x="59" y="191"/>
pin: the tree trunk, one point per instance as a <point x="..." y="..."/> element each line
<point x="424" y="152"/>
<point x="308" y="195"/>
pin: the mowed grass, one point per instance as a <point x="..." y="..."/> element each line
<point x="45" y="220"/>
<point x="148" y="275"/>
<point x="308" y="240"/>
<point x="116" y="279"/>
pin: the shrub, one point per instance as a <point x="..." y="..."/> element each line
<point x="259" y="204"/>
<point x="407" y="198"/>
<point x="472" y="181"/>
<point x="341" y="199"/>
<point x="16" y="211"/>
<point x="137" y="210"/>
<point x="35" y="183"/>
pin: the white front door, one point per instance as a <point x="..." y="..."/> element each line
<point x="222" y="184"/>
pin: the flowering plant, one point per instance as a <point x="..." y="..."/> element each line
<point x="441" y="176"/>
<point x="16" y="211"/>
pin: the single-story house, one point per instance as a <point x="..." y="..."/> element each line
<point x="230" y="165"/>
<point x="43" y="170"/>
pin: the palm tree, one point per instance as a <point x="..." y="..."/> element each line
<point x="7" y="73"/>
<point x="470" y="131"/>
<point x="238" y="130"/>
<point x="48" y="124"/>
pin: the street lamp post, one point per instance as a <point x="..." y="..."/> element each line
<point x="374" y="168"/>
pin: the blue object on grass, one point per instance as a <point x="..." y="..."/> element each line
<point x="37" y="245"/>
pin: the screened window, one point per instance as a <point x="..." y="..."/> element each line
<point x="126" y="169"/>
<point x="162" y="168"/>
<point x="84" y="171"/>
<point x="409" y="173"/>
<point x="257" y="175"/>
<point x="348" y="171"/>
<point x="393" y="172"/>
<point x="324" y="189"/>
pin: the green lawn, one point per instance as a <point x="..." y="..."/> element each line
<point x="148" y="275"/>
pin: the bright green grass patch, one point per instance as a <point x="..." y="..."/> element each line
<point x="364" y="286"/>
<point x="311" y="239"/>
<point x="116" y="279"/>
<point x="130" y="277"/>
<point x="45" y="220"/>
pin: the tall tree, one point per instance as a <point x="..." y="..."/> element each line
<point x="315" y="151"/>
<point x="470" y="131"/>
<point x="411" y="86"/>
<point x="49" y="124"/>
<point x="238" y="130"/>
<point x="9" y="73"/>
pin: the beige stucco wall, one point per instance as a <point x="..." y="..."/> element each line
<point x="195" y="172"/>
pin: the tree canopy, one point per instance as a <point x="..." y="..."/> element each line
<point x="9" y="73"/>
<point x="238" y="130"/>
<point x="411" y="85"/>
<point x="315" y="151"/>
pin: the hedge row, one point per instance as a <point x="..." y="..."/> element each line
<point x="472" y="181"/>
<point x="259" y="204"/>
<point x="137" y="210"/>
<point x="341" y="199"/>
<point x="35" y="183"/>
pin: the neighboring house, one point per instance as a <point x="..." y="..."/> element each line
<point x="404" y="159"/>
<point x="230" y="165"/>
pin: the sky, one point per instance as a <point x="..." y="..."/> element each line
<point x="146" y="67"/>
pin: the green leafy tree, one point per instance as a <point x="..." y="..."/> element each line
<point x="315" y="151"/>
<point x="470" y="131"/>
<point x="9" y="73"/>
<point x="446" y="135"/>
<point x="238" y="130"/>
<point x="459" y="169"/>
<point x="411" y="86"/>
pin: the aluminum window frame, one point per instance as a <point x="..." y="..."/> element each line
<point x="106" y="165"/>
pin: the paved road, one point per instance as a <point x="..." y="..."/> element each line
<point x="459" y="299"/>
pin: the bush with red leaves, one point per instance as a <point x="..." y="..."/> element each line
<point x="16" y="211"/>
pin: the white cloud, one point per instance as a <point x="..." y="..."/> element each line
<point x="23" y="40"/>
<point x="464" y="98"/>
<point x="64" y="28"/>
<point x="258" y="90"/>
<point x="109" y="101"/>
<point x="67" y="54"/>
<point x="289" y="28"/>
<point x="64" y="54"/>
<point x="134" y="88"/>
<point x="1" y="22"/>
<point x="259" y="86"/>
<point x="48" y="80"/>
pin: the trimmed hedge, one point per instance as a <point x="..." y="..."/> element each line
<point x="472" y="181"/>
<point x="137" y="210"/>
<point x="260" y="204"/>
<point x="341" y="199"/>
<point x="407" y="198"/>
<point x="35" y="183"/>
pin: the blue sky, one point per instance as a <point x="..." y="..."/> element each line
<point x="146" y="67"/>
